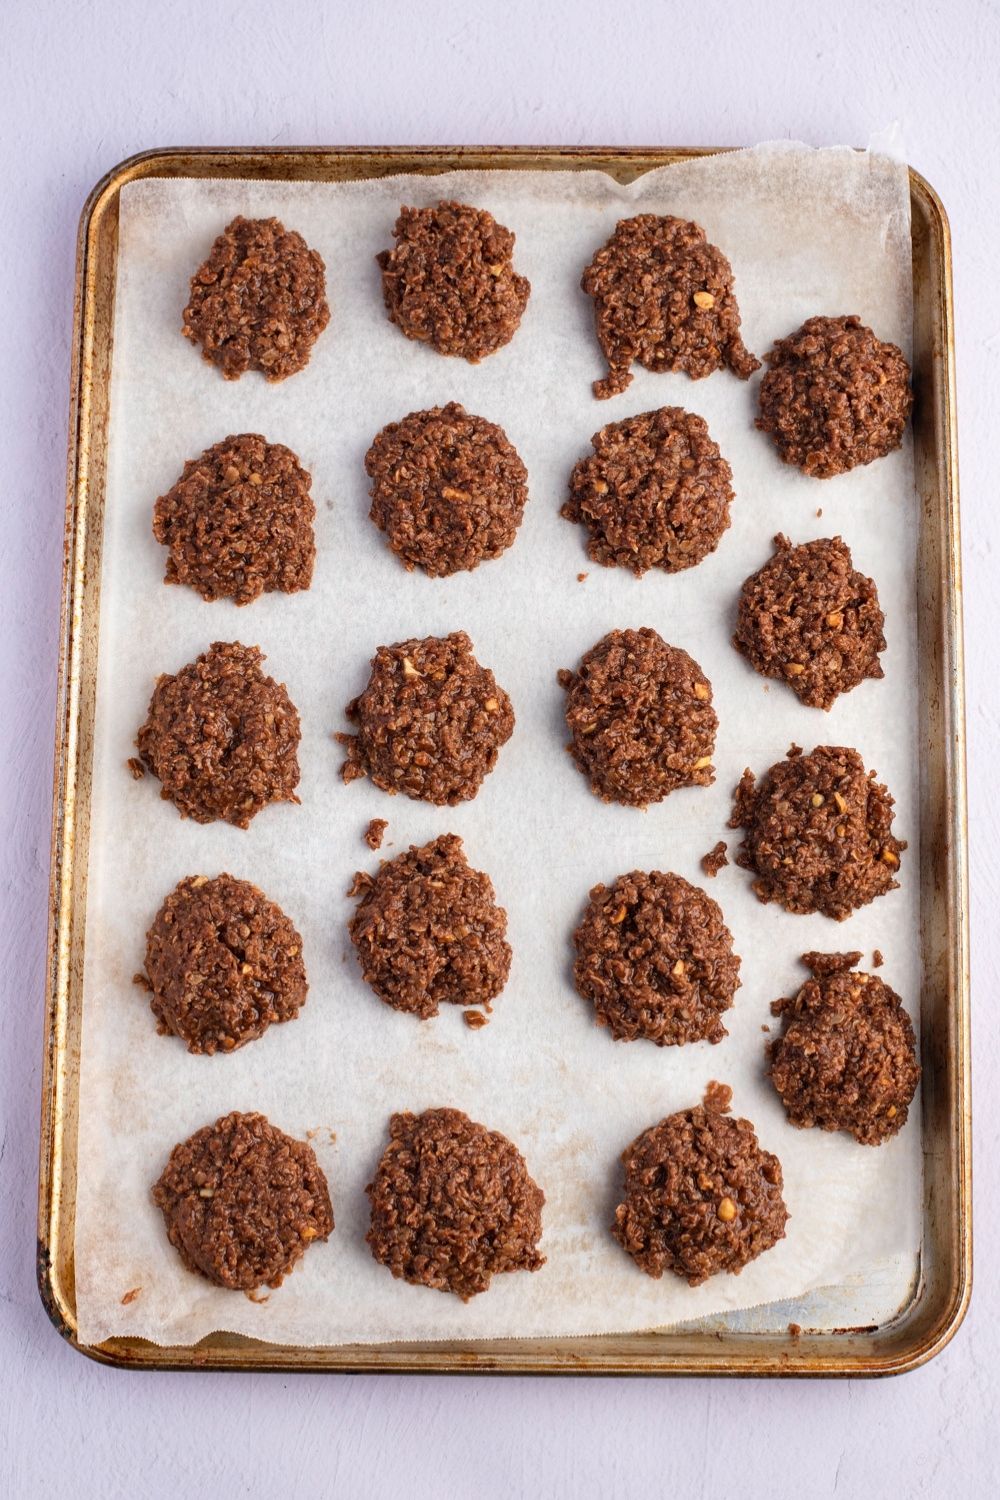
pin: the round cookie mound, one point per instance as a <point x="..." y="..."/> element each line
<point x="242" y="1201"/>
<point x="239" y="521"/>
<point x="663" y="297"/>
<point x="808" y="618"/>
<point x="452" y="1204"/>
<point x="431" y="721"/>
<point x="222" y="737"/>
<point x="428" y="930"/>
<point x="222" y="962"/>
<point x="817" y="832"/>
<point x="655" y="493"/>
<point x="641" y="716"/>
<point x="834" y="396"/>
<point x="448" y="489"/>
<point x="259" y="300"/>
<point x="449" y="280"/>
<point x="656" y="960"/>
<point x="701" y="1196"/>
<point x="847" y="1058"/>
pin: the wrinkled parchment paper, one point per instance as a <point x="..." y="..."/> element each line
<point x="807" y="232"/>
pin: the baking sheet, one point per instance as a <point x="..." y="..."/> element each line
<point x="569" y="1096"/>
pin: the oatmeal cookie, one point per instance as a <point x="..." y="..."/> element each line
<point x="663" y="297"/>
<point x="259" y="300"/>
<point x="834" y="396"/>
<point x="431" y="721"/>
<point x="448" y="489"/>
<point x="641" y="717"/>
<point x="817" y="832"/>
<point x="242" y="1202"/>
<point x="452" y="1204"/>
<point x="655" y="493"/>
<point x="239" y="521"/>
<point x="222" y="737"/>
<point x="450" y="282"/>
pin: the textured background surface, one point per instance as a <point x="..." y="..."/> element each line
<point x="83" y="85"/>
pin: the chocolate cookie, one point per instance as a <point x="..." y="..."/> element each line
<point x="242" y="1202"/>
<point x="431" y="721"/>
<point x="222" y="963"/>
<point x="655" y="494"/>
<point x="808" y="618"/>
<point x="449" y="281"/>
<point x="847" y="1058"/>
<point x="239" y="521"/>
<point x="259" y="300"/>
<point x="222" y="738"/>
<point x="428" y="930"/>
<point x="641" y="716"/>
<point x="656" y="960"/>
<point x="448" y="489"/>
<point x="663" y="297"/>
<point x="834" y="396"/>
<point x="817" y="832"/>
<point x="452" y="1204"/>
<point x="701" y="1196"/>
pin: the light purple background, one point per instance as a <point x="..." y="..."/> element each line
<point x="84" y="83"/>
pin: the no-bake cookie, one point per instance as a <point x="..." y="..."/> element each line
<point x="655" y="958"/>
<point x="428" y="930"/>
<point x="663" y="298"/>
<point x="701" y="1196"/>
<point x="430" y="723"/>
<point x="847" y="1056"/>
<point x="239" y="521"/>
<point x="641" y="718"/>
<point x="242" y="1202"/>
<point x="809" y="618"/>
<point x="222" y="737"/>
<point x="222" y="963"/>
<point x="259" y="301"/>
<point x="449" y="280"/>
<point x="447" y="488"/>
<point x="452" y="1204"/>
<point x="654" y="494"/>
<point x="817" y="832"/>
<point x="834" y="396"/>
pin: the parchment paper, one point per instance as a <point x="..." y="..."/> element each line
<point x="807" y="232"/>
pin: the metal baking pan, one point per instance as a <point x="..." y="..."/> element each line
<point x="903" y="1337"/>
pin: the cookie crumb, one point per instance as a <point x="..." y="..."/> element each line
<point x="475" y="1019"/>
<point x="717" y="1097"/>
<point x="582" y="577"/>
<point x="794" y="1330"/>
<point x="766" y="1029"/>
<point x="131" y="1295"/>
<point x="715" y="859"/>
<point x="258" y="1297"/>
<point x="877" y="959"/>
<point x="374" y="832"/>
<point x="136" y="767"/>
